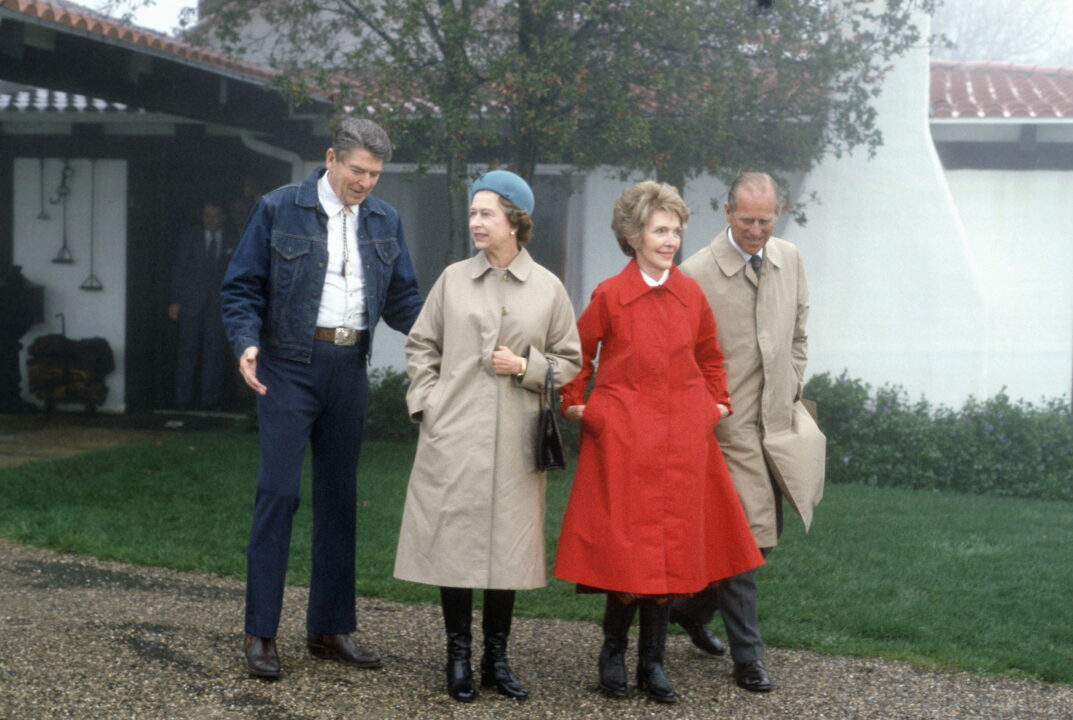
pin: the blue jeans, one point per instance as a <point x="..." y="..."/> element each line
<point x="322" y="403"/>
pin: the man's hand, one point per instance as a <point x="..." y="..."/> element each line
<point x="723" y="410"/>
<point x="247" y="366"/>
<point x="173" y="311"/>
<point x="574" y="412"/>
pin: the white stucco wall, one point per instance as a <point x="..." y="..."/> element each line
<point x="37" y="241"/>
<point x="895" y="293"/>
<point x="389" y="348"/>
<point x="599" y="257"/>
<point x="1020" y="229"/>
<point x="705" y="221"/>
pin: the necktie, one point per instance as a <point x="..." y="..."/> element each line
<point x="756" y="261"/>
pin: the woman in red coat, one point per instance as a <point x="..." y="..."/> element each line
<point x="653" y="513"/>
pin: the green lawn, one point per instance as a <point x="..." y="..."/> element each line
<point x="943" y="580"/>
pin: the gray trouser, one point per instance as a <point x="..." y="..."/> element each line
<point x="735" y="599"/>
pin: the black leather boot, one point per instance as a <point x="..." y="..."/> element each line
<point x="495" y="670"/>
<point x="618" y="617"/>
<point x="694" y="613"/>
<point x="457" y="604"/>
<point x="651" y="677"/>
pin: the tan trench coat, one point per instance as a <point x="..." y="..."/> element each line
<point x="762" y="334"/>
<point x="475" y="507"/>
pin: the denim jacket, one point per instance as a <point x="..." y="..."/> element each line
<point x="271" y="292"/>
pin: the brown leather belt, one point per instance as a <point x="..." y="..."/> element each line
<point x="338" y="336"/>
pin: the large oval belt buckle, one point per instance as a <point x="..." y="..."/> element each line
<point x="346" y="336"/>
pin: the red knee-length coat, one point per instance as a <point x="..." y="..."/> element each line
<point x="652" y="509"/>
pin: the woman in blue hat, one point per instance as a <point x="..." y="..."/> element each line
<point x="477" y="358"/>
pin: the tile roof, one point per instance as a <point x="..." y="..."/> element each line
<point x="84" y="20"/>
<point x="999" y="90"/>
<point x="41" y="100"/>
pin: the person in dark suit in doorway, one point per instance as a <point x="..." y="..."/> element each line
<point x="201" y="362"/>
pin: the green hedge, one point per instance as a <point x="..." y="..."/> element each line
<point x="388" y="418"/>
<point x="995" y="446"/>
<point x="879" y="437"/>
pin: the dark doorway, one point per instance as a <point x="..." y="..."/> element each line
<point x="167" y="186"/>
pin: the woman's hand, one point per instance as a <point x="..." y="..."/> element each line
<point x="505" y="362"/>
<point x="723" y="410"/>
<point x="574" y="412"/>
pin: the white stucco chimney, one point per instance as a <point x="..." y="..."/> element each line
<point x="895" y="295"/>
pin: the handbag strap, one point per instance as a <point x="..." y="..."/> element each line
<point x="548" y="396"/>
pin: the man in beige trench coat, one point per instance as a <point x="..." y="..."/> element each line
<point x="756" y="286"/>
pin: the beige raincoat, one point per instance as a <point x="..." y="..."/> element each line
<point x="762" y="335"/>
<point x="475" y="507"/>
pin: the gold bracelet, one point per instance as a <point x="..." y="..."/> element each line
<point x="525" y="366"/>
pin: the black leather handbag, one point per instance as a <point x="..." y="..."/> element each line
<point x="549" y="438"/>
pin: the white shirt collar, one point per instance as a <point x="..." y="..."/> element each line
<point x="655" y="283"/>
<point x="741" y="252"/>
<point x="328" y="199"/>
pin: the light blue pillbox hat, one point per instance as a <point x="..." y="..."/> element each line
<point x="507" y="184"/>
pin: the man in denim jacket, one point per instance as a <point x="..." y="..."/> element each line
<point x="319" y="264"/>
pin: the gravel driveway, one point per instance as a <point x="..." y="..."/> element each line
<point x="83" y="638"/>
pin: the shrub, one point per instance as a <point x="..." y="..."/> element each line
<point x="388" y="418"/>
<point x="994" y="446"/>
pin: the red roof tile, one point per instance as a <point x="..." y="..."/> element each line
<point x="93" y="23"/>
<point x="994" y="90"/>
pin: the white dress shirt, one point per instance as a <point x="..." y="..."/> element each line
<point x="210" y="236"/>
<point x="342" y="304"/>
<point x="741" y="252"/>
